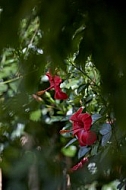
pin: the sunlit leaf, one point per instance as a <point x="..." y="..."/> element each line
<point x="35" y="115"/>
<point x="3" y="88"/>
<point x="69" y="151"/>
<point x="56" y="118"/>
<point x="13" y="86"/>
<point x="72" y="83"/>
<point x="82" y="88"/>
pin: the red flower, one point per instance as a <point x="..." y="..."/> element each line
<point x="81" y="128"/>
<point x="55" y="82"/>
<point x="79" y="165"/>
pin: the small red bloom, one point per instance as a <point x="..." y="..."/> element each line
<point x="55" y="82"/>
<point x="81" y="128"/>
<point x="79" y="165"/>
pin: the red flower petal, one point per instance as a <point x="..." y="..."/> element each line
<point x="57" y="80"/>
<point x="86" y="119"/>
<point x="51" y="79"/>
<point x="79" y="165"/>
<point x="74" y="117"/>
<point x="54" y="80"/>
<point x="86" y="137"/>
<point x="59" y="94"/>
<point x="77" y="126"/>
<point x="91" y="137"/>
<point x="82" y="136"/>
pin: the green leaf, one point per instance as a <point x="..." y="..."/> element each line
<point x="69" y="151"/>
<point x="56" y="118"/>
<point x="106" y="128"/>
<point x="82" y="151"/>
<point x="3" y="88"/>
<point x="82" y="88"/>
<point x="72" y="83"/>
<point x="104" y="153"/>
<point x="94" y="150"/>
<point x="70" y="142"/>
<point x="35" y="115"/>
<point x="88" y="99"/>
<point x="96" y="117"/>
<point x="106" y="138"/>
<point x="13" y="86"/>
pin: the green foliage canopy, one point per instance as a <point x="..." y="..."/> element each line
<point x="85" y="41"/>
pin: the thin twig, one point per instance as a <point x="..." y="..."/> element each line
<point x="84" y="73"/>
<point x="17" y="78"/>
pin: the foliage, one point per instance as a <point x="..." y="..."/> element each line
<point x="80" y="43"/>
